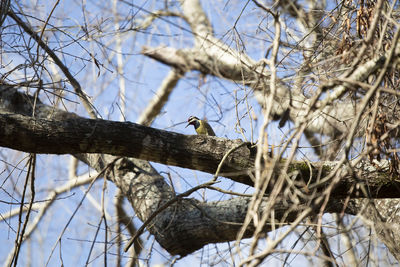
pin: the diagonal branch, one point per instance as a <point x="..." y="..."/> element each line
<point x="75" y="84"/>
<point x="153" y="109"/>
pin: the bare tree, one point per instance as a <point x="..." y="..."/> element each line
<point x="302" y="94"/>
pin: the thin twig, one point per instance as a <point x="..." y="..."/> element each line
<point x="110" y="165"/>
<point x="230" y="151"/>
<point x="20" y="235"/>
<point x="103" y="215"/>
<point x="162" y="208"/>
<point x="75" y="84"/>
<point x="44" y="27"/>
<point x="159" y="100"/>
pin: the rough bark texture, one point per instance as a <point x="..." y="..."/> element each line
<point x="79" y="135"/>
<point x="189" y="224"/>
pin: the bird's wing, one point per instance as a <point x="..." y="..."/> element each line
<point x="210" y="131"/>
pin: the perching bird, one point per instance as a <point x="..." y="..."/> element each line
<point x="201" y="126"/>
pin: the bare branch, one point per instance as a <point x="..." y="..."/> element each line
<point x="153" y="109"/>
<point x="75" y="84"/>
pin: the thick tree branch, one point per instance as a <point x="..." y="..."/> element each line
<point x="189" y="224"/>
<point x="79" y="135"/>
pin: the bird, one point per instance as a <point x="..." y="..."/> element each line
<point x="201" y="126"/>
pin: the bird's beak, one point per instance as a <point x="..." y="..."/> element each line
<point x="187" y="125"/>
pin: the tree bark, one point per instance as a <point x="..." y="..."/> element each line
<point x="75" y="135"/>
